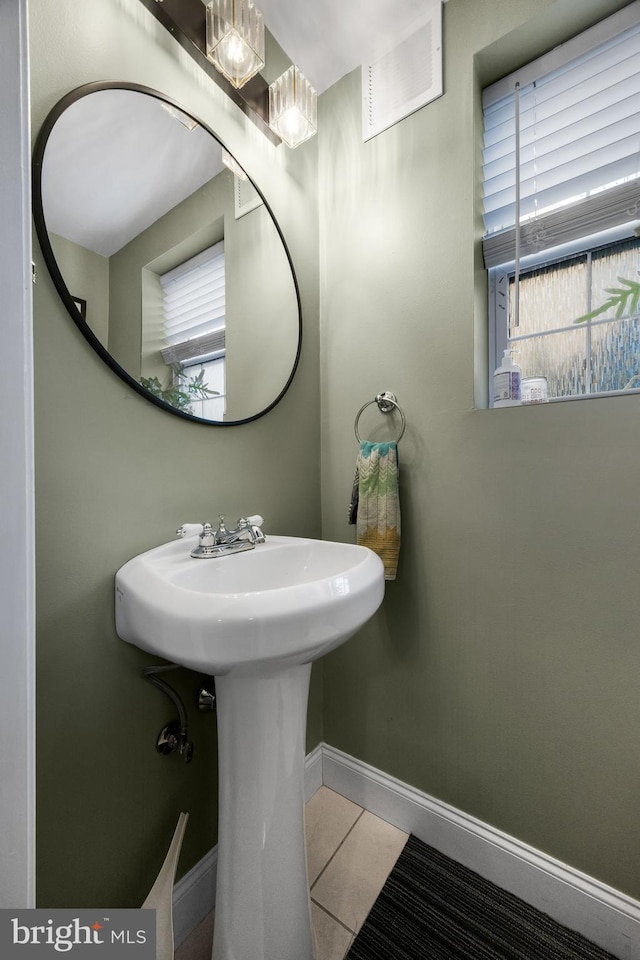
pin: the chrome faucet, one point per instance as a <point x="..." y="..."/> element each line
<point x="220" y="542"/>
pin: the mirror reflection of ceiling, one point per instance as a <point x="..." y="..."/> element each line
<point x="140" y="138"/>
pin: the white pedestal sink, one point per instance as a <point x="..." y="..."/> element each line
<point x="255" y="621"/>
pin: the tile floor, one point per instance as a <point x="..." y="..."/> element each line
<point x="350" y="854"/>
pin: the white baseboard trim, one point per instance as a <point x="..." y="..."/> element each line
<point x="194" y="896"/>
<point x="604" y="915"/>
<point x="313" y="766"/>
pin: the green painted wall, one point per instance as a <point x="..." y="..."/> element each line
<point x="501" y="674"/>
<point x="116" y="475"/>
<point x="87" y="276"/>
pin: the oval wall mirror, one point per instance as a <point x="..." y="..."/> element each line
<point x="167" y="257"/>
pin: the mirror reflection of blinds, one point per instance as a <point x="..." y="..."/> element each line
<point x="194" y="307"/>
<point x="579" y="142"/>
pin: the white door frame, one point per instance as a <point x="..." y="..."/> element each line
<point x="17" y="590"/>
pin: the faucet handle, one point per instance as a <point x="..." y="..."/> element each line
<point x="206" y="537"/>
<point x="253" y="524"/>
<point x="188" y="529"/>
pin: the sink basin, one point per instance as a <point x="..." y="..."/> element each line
<point x="287" y="602"/>
<point x="256" y="621"/>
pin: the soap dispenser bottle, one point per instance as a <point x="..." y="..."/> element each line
<point x="506" y="382"/>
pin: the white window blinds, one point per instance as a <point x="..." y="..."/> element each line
<point x="579" y="141"/>
<point x="194" y="307"/>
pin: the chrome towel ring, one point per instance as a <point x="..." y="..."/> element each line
<point x="386" y="403"/>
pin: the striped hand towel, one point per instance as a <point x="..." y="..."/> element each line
<point x="375" y="507"/>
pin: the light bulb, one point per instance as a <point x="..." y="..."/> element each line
<point x="235" y="57"/>
<point x="293" y="126"/>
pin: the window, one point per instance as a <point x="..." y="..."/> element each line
<point x="562" y="207"/>
<point x="598" y="355"/>
<point x="194" y="330"/>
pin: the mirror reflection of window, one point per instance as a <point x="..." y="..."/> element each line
<point x="194" y="330"/>
<point x="205" y="385"/>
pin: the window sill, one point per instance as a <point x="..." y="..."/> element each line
<point x="634" y="391"/>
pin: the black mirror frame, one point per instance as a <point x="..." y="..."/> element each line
<point x="61" y="287"/>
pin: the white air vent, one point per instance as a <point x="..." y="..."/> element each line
<point x="406" y="77"/>
<point x="246" y="197"/>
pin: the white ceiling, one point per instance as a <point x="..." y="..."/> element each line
<point x="329" y="38"/>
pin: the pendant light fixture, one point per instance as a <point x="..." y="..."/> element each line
<point x="293" y="107"/>
<point x="235" y="39"/>
<point x="226" y="38"/>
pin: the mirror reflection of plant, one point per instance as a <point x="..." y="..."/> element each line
<point x="181" y="391"/>
<point x="623" y="299"/>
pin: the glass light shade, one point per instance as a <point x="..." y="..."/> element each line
<point x="181" y="117"/>
<point x="235" y="39"/>
<point x="233" y="165"/>
<point x="293" y="107"/>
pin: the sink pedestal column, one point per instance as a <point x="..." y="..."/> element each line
<point x="262" y="897"/>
